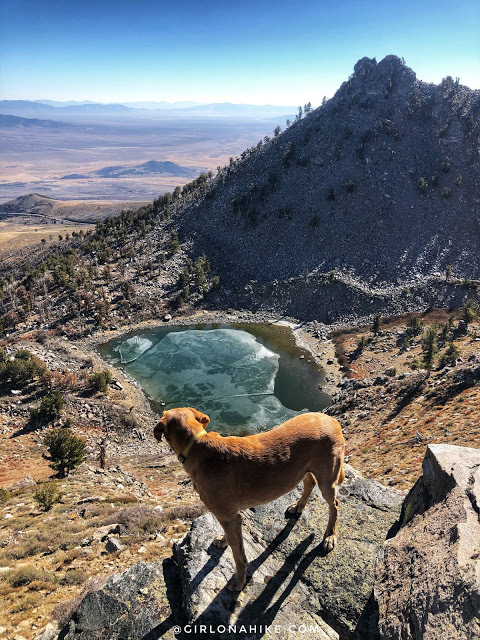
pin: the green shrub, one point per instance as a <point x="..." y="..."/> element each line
<point x="25" y="575"/>
<point x="173" y="245"/>
<point x="23" y="369"/>
<point x="392" y="372"/>
<point x="469" y="311"/>
<point x="3" y="495"/>
<point x="450" y="356"/>
<point x="422" y="185"/>
<point x="445" y="329"/>
<point x="414" y="325"/>
<point x="49" y="410"/>
<point x="66" y="450"/>
<point x="362" y="343"/>
<point x="100" y="380"/>
<point x="215" y="282"/>
<point x="47" y="495"/>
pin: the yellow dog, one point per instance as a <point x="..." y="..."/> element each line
<point x="234" y="473"/>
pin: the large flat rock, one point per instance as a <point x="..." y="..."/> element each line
<point x="293" y="585"/>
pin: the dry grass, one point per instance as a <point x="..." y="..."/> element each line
<point x="389" y="425"/>
<point x="27" y="574"/>
<point x="18" y="236"/>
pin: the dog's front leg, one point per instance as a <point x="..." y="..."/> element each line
<point x="233" y="535"/>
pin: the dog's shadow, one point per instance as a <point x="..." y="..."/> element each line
<point x="259" y="603"/>
<point x="263" y="607"/>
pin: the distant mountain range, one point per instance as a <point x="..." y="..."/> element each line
<point x="146" y="169"/>
<point x="53" y="109"/>
<point x="149" y="104"/>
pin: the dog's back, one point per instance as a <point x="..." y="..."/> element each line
<point x="256" y="469"/>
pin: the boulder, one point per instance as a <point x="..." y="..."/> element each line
<point x="133" y="604"/>
<point x="102" y="533"/>
<point x="28" y="481"/>
<point x="292" y="582"/>
<point x="114" y="544"/>
<point x="428" y="576"/>
<point x="50" y="632"/>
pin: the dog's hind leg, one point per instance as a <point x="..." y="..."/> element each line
<point x="309" y="483"/>
<point x="233" y="535"/>
<point x="221" y="541"/>
<point x="330" y="536"/>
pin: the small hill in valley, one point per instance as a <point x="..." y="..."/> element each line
<point x="11" y="122"/>
<point x="147" y="168"/>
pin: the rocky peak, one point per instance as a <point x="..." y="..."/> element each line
<point x="383" y="79"/>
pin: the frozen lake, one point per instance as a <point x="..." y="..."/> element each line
<point x="245" y="377"/>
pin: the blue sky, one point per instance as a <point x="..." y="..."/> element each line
<point x="235" y="50"/>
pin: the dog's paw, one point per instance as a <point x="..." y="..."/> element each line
<point x="220" y="542"/>
<point x="292" y="510"/>
<point x="236" y="584"/>
<point x="329" y="544"/>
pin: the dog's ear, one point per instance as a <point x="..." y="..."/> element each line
<point x="158" y="431"/>
<point x="199" y="416"/>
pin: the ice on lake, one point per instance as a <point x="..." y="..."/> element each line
<point x="224" y="372"/>
<point x="131" y="349"/>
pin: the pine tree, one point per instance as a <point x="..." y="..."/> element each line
<point x="429" y="347"/>
<point x="65" y="450"/>
<point x="469" y="312"/>
<point x="376" y="324"/>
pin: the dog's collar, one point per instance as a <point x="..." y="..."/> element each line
<point x="182" y="456"/>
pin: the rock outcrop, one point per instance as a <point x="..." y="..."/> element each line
<point x="428" y="581"/>
<point x="134" y="604"/>
<point x="292" y="583"/>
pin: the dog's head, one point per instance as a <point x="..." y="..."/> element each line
<point x="177" y="424"/>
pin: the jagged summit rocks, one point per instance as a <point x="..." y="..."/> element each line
<point x="390" y="66"/>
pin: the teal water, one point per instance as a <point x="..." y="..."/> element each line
<point x="245" y="377"/>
